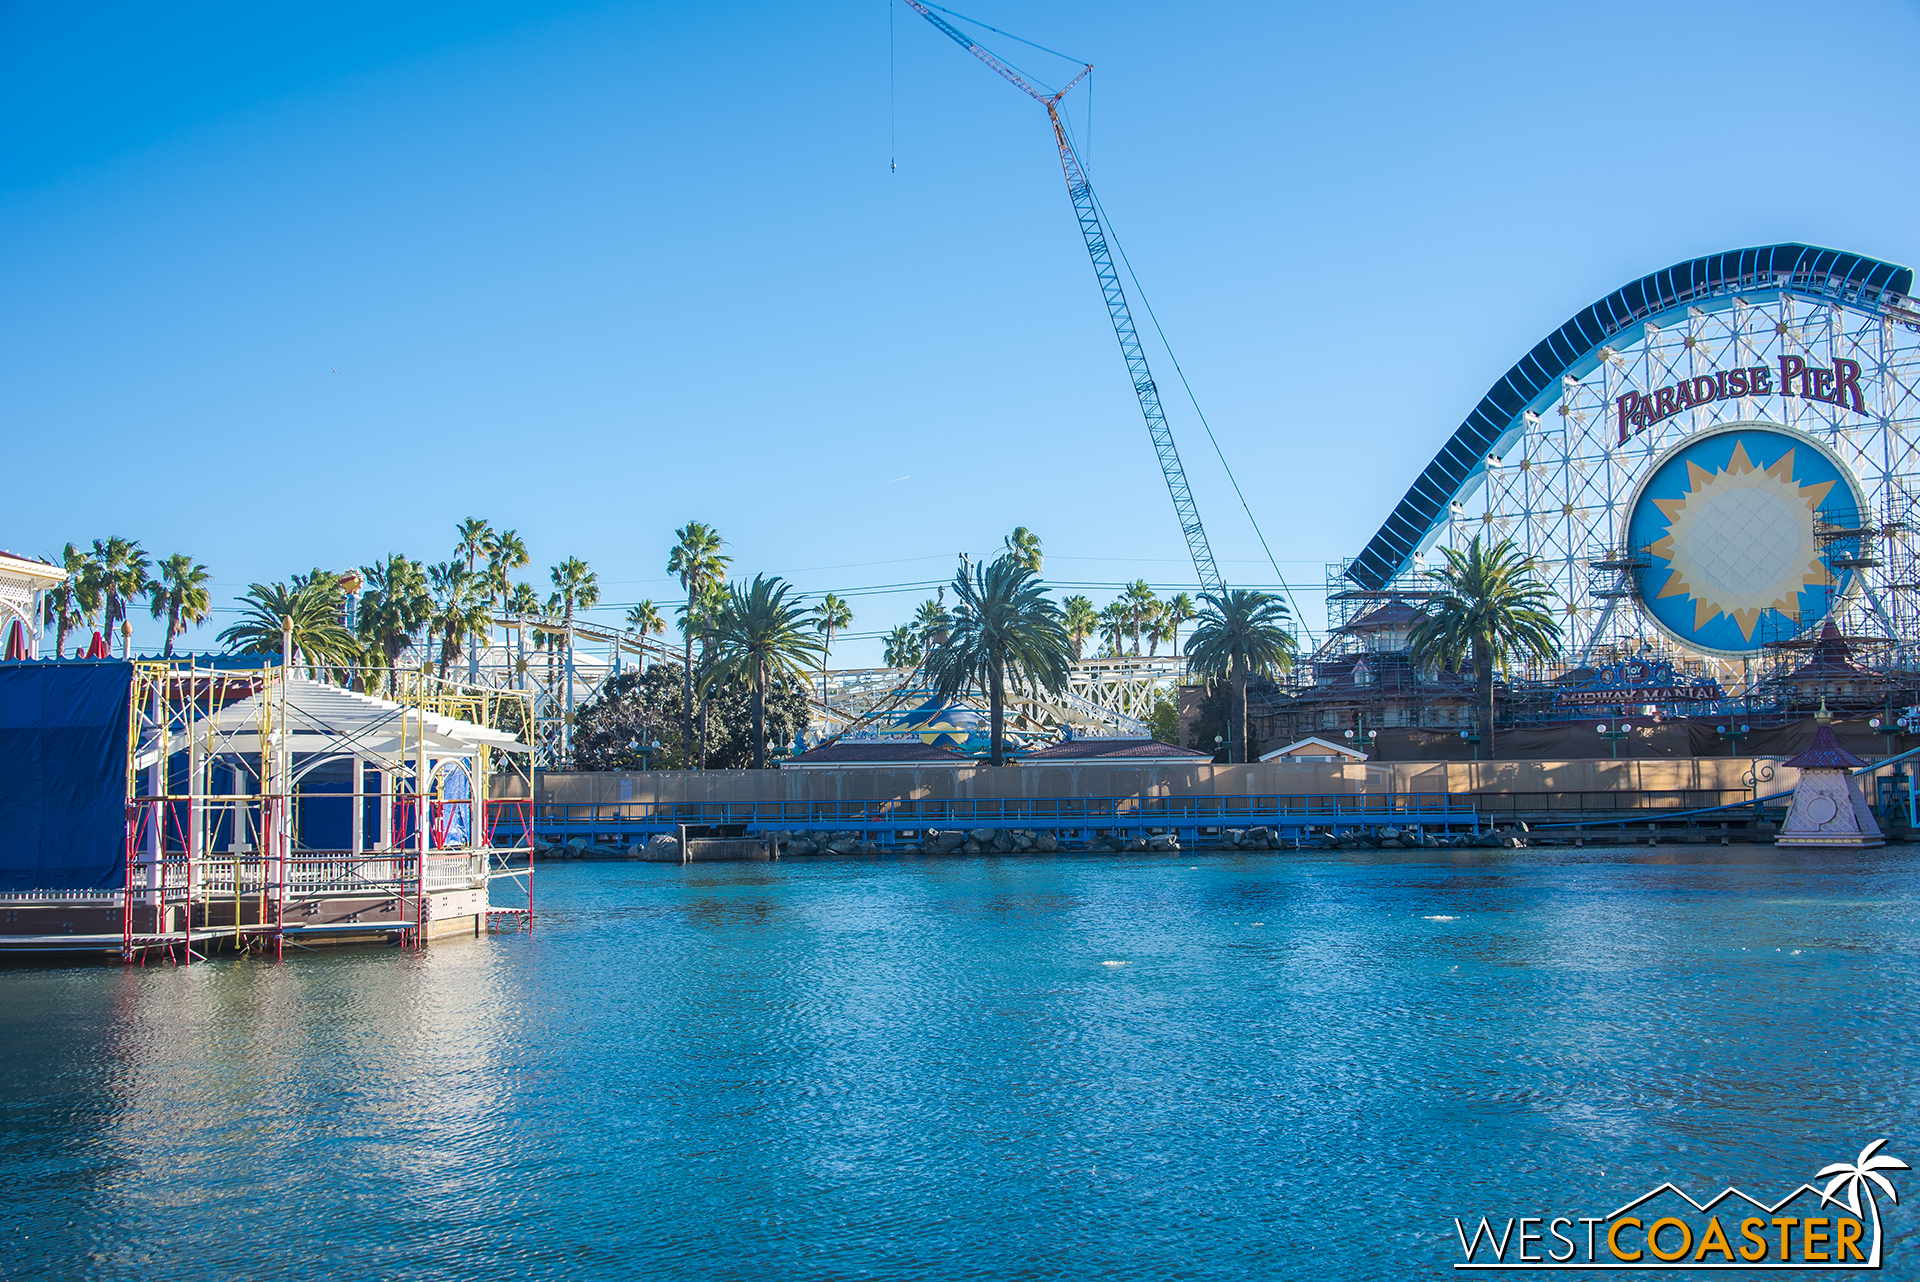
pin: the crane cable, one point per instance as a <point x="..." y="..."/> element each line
<point x="1114" y="239"/>
<point x="1219" y="453"/>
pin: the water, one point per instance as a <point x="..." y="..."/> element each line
<point x="1295" y="1066"/>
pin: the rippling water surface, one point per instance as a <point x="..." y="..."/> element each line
<point x="1291" y="1065"/>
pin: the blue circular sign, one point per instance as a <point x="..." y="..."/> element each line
<point x="1740" y="527"/>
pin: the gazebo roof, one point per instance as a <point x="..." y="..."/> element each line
<point x="1825" y="753"/>
<point x="327" y="719"/>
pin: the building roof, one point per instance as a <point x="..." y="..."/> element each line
<point x="1315" y="746"/>
<point x="1803" y="269"/>
<point x="1392" y="676"/>
<point x="1393" y="615"/>
<point x="843" y="755"/>
<point x="1130" y="752"/>
<point x="30" y="568"/>
<point x="1825" y="754"/>
<point x="1830" y="660"/>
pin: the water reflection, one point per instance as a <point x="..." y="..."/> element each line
<point x="936" y="1068"/>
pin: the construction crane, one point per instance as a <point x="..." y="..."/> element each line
<point x="1080" y="191"/>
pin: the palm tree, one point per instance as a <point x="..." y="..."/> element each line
<point x="701" y="618"/>
<point x="644" y="618"/>
<point x="74" y="600"/>
<point x="698" y="562"/>
<point x="179" y="595"/>
<point x="1114" y="622"/>
<point x="830" y="616"/>
<point x="1140" y="601"/>
<point x="119" y="575"/>
<point x="758" y="636"/>
<point x="1180" y="610"/>
<point x="463" y="610"/>
<point x="575" y="587"/>
<point x="395" y="604"/>
<point x="523" y="601"/>
<point x="506" y="552"/>
<point x="475" y="536"/>
<point x="1160" y="627"/>
<point x="932" y="623"/>
<point x="1005" y="631"/>
<point x="1081" y="622"/>
<point x="903" y="649"/>
<point x="1863" y="1174"/>
<point x="1241" y="634"/>
<point x="1492" y="613"/>
<point x="312" y="602"/>
<point x="1023" y="545"/>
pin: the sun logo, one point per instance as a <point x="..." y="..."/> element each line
<point x="1741" y="541"/>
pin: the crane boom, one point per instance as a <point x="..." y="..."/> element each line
<point x="1080" y="192"/>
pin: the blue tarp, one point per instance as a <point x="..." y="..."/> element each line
<point x="63" y="747"/>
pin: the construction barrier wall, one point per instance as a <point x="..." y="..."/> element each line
<point x="64" y="730"/>
<point x="1706" y="780"/>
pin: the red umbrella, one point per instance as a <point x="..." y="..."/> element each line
<point x="98" y="650"/>
<point x="16" y="641"/>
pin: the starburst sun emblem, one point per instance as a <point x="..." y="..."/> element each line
<point x="1741" y="541"/>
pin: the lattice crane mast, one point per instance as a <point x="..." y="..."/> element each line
<point x="1080" y="191"/>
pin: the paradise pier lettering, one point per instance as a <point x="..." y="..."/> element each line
<point x="1838" y="385"/>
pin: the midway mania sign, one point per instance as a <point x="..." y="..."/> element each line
<point x="1836" y="1227"/>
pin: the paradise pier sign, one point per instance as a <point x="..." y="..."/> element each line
<point x="1835" y="385"/>
<point x="1717" y="457"/>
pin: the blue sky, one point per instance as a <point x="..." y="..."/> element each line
<point x="299" y="285"/>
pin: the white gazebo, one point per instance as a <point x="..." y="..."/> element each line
<point x="240" y="785"/>
<point x="23" y="580"/>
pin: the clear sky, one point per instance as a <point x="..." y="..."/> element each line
<point x="296" y="285"/>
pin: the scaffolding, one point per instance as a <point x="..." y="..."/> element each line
<point x="233" y="836"/>
<point x="1559" y="473"/>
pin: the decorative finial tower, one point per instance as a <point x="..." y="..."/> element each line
<point x="1827" y="810"/>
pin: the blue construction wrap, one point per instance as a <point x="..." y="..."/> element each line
<point x="63" y="742"/>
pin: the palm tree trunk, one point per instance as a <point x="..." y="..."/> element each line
<point x="1483" y="680"/>
<point x="997" y="712"/>
<point x="1237" y="714"/>
<point x="686" y="682"/>
<point x="706" y="701"/>
<point x="759" y="701"/>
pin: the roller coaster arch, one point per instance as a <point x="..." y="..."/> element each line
<point x="1559" y="447"/>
